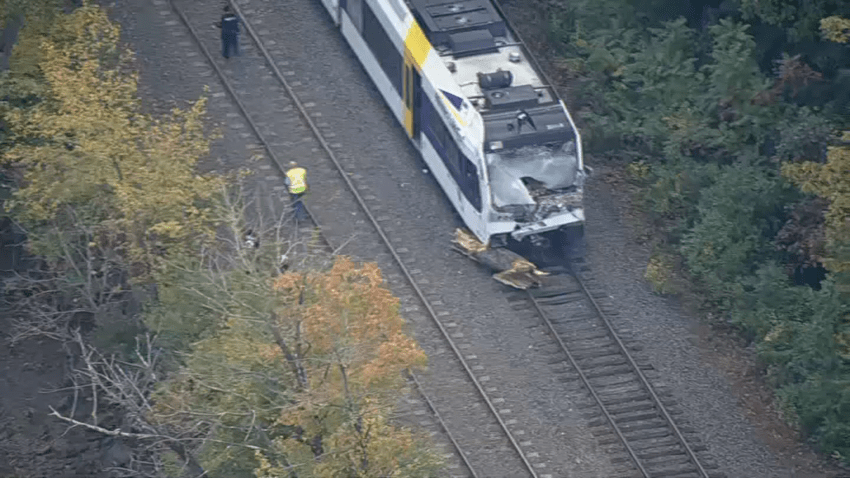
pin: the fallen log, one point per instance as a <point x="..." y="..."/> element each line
<point x="510" y="268"/>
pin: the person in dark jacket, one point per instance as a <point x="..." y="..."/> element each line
<point x="229" y="25"/>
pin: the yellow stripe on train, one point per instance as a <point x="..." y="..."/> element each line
<point x="418" y="48"/>
<point x="417" y="44"/>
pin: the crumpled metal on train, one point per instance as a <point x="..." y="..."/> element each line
<point x="555" y="170"/>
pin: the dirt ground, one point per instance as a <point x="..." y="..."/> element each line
<point x="32" y="444"/>
<point x="32" y="375"/>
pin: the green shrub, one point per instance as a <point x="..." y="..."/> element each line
<point x="768" y="298"/>
<point x="638" y="171"/>
<point x="660" y="273"/>
<point x="709" y="127"/>
<point x="672" y="194"/>
<point x="822" y="407"/>
<point x="738" y="216"/>
<point x="803" y="135"/>
<point x="801" y="334"/>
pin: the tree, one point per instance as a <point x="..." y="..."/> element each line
<point x="36" y="14"/>
<point x="87" y="147"/>
<point x="835" y="29"/>
<point x="799" y="18"/>
<point x="802" y="335"/>
<point x="246" y="367"/>
<point x="271" y="369"/>
<point x="111" y="384"/>
<point x="831" y="181"/>
<point x="359" y="351"/>
<point x="736" y="222"/>
<point x="706" y="129"/>
<point x="296" y="376"/>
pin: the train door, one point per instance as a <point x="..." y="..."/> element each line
<point x="412" y="97"/>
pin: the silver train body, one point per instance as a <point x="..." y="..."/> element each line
<point x="494" y="133"/>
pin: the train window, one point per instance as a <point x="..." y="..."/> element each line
<point x="442" y="133"/>
<point x="471" y="189"/>
<point x="463" y="171"/>
<point x="451" y="155"/>
<point x="355" y="13"/>
<point x="453" y="158"/>
<point x="383" y="48"/>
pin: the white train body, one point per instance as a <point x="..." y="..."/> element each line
<point x="503" y="146"/>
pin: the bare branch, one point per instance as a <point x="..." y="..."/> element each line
<point x="293" y="360"/>
<point x="113" y="433"/>
<point x="126" y="385"/>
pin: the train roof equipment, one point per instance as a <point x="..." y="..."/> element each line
<point x="495" y="72"/>
<point x="531" y="144"/>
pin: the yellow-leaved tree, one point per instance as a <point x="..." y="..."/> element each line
<point x="358" y="354"/>
<point x="38" y="15"/>
<point x="831" y="181"/>
<point x="86" y="152"/>
<point x="835" y="29"/>
<point x="301" y="373"/>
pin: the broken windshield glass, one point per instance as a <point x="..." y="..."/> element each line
<point x="520" y="175"/>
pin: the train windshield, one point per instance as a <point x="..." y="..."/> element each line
<point x="519" y="176"/>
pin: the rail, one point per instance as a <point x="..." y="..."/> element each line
<point x="659" y="406"/>
<point x="360" y="201"/>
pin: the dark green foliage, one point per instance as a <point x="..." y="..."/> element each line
<point x="800" y="18"/>
<point x="801" y="335"/>
<point x="822" y="403"/>
<point x="761" y="295"/>
<point x="181" y="314"/>
<point x="673" y="192"/>
<point x="733" y="74"/>
<point x="738" y="217"/>
<point x="803" y="137"/>
<point x="655" y="98"/>
<point x="708" y="117"/>
<point x="650" y="80"/>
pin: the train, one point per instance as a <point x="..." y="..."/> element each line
<point x="491" y="128"/>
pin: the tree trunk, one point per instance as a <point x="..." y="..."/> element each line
<point x="294" y="361"/>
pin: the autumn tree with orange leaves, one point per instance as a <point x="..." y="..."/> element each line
<point x="242" y="370"/>
<point x="297" y="376"/>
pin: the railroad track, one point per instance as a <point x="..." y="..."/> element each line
<point x="522" y="465"/>
<point x="630" y="415"/>
<point x="631" y="418"/>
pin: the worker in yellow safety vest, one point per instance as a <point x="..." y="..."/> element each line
<point x="296" y="181"/>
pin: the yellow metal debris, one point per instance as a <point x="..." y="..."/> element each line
<point x="511" y="268"/>
<point x="469" y="242"/>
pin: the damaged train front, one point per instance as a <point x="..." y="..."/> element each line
<point x="537" y="187"/>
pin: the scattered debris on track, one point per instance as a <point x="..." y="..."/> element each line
<point x="510" y="268"/>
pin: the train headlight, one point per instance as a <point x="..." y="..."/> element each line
<point x="496" y="145"/>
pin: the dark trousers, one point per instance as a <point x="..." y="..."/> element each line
<point x="229" y="43"/>
<point x="298" y="206"/>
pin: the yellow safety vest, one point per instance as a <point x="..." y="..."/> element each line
<point x="297" y="180"/>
